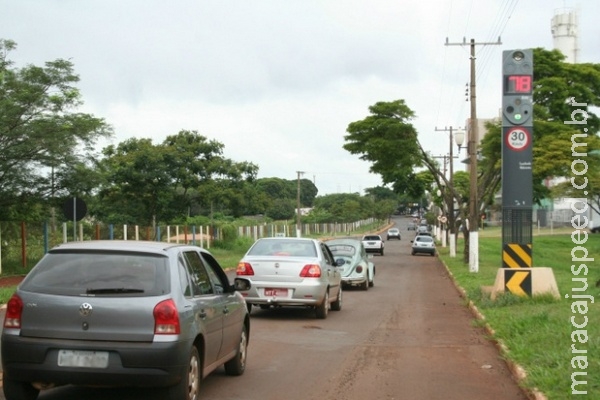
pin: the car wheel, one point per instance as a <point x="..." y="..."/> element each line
<point x="381" y="252"/>
<point x="372" y="281"/>
<point x="412" y="253"/>
<point x="19" y="390"/>
<point x="189" y="386"/>
<point x="237" y="365"/>
<point x="365" y="284"/>
<point x="337" y="304"/>
<point x="249" y="307"/>
<point x="322" y="309"/>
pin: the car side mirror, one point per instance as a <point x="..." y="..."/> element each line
<point x="241" y="284"/>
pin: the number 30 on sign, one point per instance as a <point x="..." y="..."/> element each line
<point x="517" y="139"/>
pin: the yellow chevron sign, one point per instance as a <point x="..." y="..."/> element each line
<point x="516" y="255"/>
<point x="518" y="282"/>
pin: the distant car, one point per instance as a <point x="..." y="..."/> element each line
<point x="123" y="313"/>
<point x="373" y="244"/>
<point x="393" y="233"/>
<point x="287" y="271"/>
<point x="424" y="233"/>
<point x="411" y="226"/>
<point x="357" y="269"/>
<point x="422" y="229"/>
<point x="423" y="244"/>
<point x="595" y="229"/>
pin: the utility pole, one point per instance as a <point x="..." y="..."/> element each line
<point x="472" y="150"/>
<point x="298" y="226"/>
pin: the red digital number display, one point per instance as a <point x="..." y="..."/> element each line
<point x="517" y="84"/>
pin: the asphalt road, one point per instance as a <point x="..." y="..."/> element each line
<point x="408" y="337"/>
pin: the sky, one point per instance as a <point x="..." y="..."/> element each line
<point x="277" y="82"/>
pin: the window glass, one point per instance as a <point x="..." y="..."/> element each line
<point x="102" y="273"/>
<point x="201" y="283"/>
<point x="327" y="254"/>
<point x="217" y="277"/>
<point x="184" y="278"/>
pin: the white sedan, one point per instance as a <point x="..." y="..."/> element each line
<point x="373" y="244"/>
<point x="286" y="271"/>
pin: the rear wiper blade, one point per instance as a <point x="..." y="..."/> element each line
<point x="113" y="290"/>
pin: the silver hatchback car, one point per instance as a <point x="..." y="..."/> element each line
<point x="292" y="272"/>
<point x="123" y="313"/>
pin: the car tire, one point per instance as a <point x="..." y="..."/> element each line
<point x="237" y="365"/>
<point x="337" y="304"/>
<point x="19" y="390"/>
<point x="249" y="307"/>
<point x="381" y="252"/>
<point x="365" y="284"/>
<point x="322" y="309"/>
<point x="412" y="253"/>
<point x="189" y="386"/>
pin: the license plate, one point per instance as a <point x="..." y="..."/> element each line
<point x="82" y="359"/>
<point x="276" y="292"/>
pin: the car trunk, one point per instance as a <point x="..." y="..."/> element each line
<point x="122" y="318"/>
<point x="272" y="269"/>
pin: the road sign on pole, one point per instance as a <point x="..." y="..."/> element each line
<point x="517" y="156"/>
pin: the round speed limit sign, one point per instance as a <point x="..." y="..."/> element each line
<point x="518" y="139"/>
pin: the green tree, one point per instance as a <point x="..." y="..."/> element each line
<point x="282" y="209"/>
<point x="43" y="139"/>
<point x="389" y="141"/>
<point x="308" y="192"/>
<point x="139" y="185"/>
<point x="147" y="183"/>
<point x="198" y="163"/>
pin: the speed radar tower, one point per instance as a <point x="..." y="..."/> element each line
<point x="517" y="181"/>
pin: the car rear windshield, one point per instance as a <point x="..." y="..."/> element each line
<point x="372" y="238"/>
<point x="342" y="249"/>
<point x="424" y="239"/>
<point x="78" y="273"/>
<point x="283" y="247"/>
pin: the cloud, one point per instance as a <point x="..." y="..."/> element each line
<point x="277" y="82"/>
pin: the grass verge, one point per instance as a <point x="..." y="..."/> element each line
<point x="538" y="331"/>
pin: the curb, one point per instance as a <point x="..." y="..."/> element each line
<point x="517" y="371"/>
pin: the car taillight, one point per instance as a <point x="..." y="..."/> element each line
<point x="244" y="268"/>
<point x="166" y="318"/>
<point x="359" y="269"/>
<point x="14" y="309"/>
<point x="311" y="271"/>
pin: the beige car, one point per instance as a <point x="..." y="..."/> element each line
<point x="292" y="272"/>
